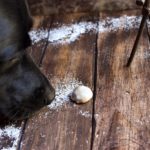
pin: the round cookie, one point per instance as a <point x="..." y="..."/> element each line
<point x="81" y="94"/>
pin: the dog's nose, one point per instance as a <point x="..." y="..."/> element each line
<point x="39" y="92"/>
<point x="46" y="94"/>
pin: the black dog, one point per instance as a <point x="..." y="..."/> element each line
<point x="23" y="88"/>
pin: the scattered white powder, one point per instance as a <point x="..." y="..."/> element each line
<point x="67" y="34"/>
<point x="123" y="22"/>
<point x="147" y="54"/>
<point x="86" y="114"/>
<point x="63" y="89"/>
<point x="11" y="133"/>
<point x="70" y="33"/>
<point x="38" y="35"/>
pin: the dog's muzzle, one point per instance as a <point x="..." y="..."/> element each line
<point x="23" y="88"/>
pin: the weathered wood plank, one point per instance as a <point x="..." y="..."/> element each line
<point x="123" y="94"/>
<point x="39" y="43"/>
<point x="66" y="126"/>
<point x="47" y="7"/>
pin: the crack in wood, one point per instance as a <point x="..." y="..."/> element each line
<point x="46" y="44"/>
<point x="95" y="89"/>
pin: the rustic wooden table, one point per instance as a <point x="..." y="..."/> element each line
<point x="90" y="49"/>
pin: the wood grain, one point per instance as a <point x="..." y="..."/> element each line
<point x="65" y="127"/>
<point x="37" y="48"/>
<point x="119" y="116"/>
<point x="47" y="7"/>
<point x="123" y="94"/>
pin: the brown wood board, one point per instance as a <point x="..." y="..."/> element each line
<point x="123" y="94"/>
<point x="47" y="7"/>
<point x="69" y="126"/>
<point x="121" y="109"/>
<point x="38" y="48"/>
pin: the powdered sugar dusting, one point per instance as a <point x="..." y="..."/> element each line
<point x="124" y="22"/>
<point x="38" y="35"/>
<point x="86" y="114"/>
<point x="67" y="34"/>
<point x="11" y="133"/>
<point x="70" y="33"/>
<point x="63" y="90"/>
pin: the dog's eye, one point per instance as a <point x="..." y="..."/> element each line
<point x="11" y="62"/>
<point x="14" y="60"/>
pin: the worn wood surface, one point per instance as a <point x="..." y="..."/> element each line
<point x="38" y="48"/>
<point x="123" y="94"/>
<point x="65" y="127"/>
<point x="118" y="117"/>
<point x="47" y="7"/>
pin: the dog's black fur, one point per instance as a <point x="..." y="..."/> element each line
<point x="23" y="88"/>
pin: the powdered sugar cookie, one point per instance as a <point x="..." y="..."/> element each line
<point x="82" y="94"/>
